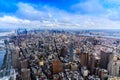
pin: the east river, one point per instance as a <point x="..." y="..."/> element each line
<point x="2" y="46"/>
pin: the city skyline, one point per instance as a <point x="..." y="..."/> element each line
<point x="60" y="14"/>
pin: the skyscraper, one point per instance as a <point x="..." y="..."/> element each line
<point x="84" y="57"/>
<point x="104" y="59"/>
<point x="114" y="66"/>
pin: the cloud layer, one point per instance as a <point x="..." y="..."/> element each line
<point x="77" y="14"/>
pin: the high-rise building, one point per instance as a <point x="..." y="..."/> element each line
<point x="74" y="66"/>
<point x="114" y="66"/>
<point x="57" y="66"/>
<point x="84" y="71"/>
<point x="25" y="74"/>
<point x="24" y="64"/>
<point x="104" y="59"/>
<point x="103" y="73"/>
<point x="84" y="57"/>
<point x="93" y="63"/>
<point x="15" y="56"/>
<point x="63" y="51"/>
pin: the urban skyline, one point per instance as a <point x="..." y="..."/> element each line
<point x="60" y="40"/>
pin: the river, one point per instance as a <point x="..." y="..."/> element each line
<point x="3" y="35"/>
<point x="2" y="54"/>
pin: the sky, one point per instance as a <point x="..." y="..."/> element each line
<point x="60" y="14"/>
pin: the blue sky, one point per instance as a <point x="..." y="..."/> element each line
<point x="72" y="14"/>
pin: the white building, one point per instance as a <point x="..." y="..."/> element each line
<point x="114" y="66"/>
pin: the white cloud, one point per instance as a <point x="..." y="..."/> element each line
<point x="26" y="11"/>
<point x="10" y="21"/>
<point x="28" y="16"/>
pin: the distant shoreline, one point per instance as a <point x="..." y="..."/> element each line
<point x="111" y="37"/>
